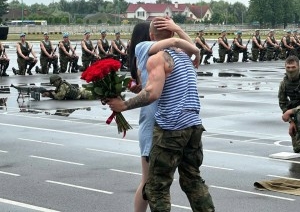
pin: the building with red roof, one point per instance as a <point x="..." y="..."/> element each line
<point x="148" y="11"/>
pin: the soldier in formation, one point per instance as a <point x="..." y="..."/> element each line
<point x="286" y="45"/>
<point x="47" y="56"/>
<point x="67" y="55"/>
<point x="224" y="49"/>
<point x="89" y="52"/>
<point x="24" y="49"/>
<point x="103" y="45"/>
<point x="118" y="48"/>
<point x="238" y="47"/>
<point x="204" y="47"/>
<point x="4" y="61"/>
<point x="273" y="47"/>
<point x="258" y="49"/>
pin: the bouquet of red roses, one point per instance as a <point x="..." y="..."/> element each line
<point x="104" y="82"/>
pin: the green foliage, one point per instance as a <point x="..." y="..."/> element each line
<point x="270" y="13"/>
<point x="178" y="18"/>
<point x="3" y="7"/>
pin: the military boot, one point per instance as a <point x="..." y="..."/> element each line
<point x="4" y="74"/>
<point x="29" y="69"/>
<point x="14" y="71"/>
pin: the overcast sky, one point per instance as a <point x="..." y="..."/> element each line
<point x="46" y="2"/>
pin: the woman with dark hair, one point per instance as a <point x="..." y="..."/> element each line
<point x="137" y="65"/>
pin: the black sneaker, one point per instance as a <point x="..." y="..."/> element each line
<point x="206" y="62"/>
<point x="214" y="60"/>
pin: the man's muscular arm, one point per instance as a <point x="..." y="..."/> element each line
<point x="159" y="66"/>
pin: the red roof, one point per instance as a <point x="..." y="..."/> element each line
<point x="199" y="11"/>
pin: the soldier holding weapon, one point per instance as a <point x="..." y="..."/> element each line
<point x="65" y="56"/>
<point x="224" y="49"/>
<point x="23" y="51"/>
<point x="238" y="48"/>
<point x="47" y="56"/>
<point x="4" y="61"/>
<point x="258" y="50"/>
<point x="204" y="47"/>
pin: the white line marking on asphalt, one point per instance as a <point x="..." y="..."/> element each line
<point x="250" y="192"/>
<point x="216" y="167"/>
<point x="68" y="132"/>
<point x="23" y="205"/>
<point x="182" y="207"/>
<point x="233" y="140"/>
<point x="2" y="151"/>
<point x="80" y="187"/>
<point x="9" y="173"/>
<point x="288" y="178"/>
<point x="56" y="160"/>
<point x="117" y="170"/>
<point x="251" y="156"/>
<point x="43" y="142"/>
<point x="116" y="153"/>
<point x="277" y="143"/>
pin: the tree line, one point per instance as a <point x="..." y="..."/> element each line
<point x="262" y="13"/>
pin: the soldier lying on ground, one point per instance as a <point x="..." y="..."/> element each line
<point x="65" y="90"/>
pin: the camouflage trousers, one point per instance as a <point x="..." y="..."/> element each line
<point x="272" y="53"/>
<point x="87" y="61"/>
<point x="180" y="149"/>
<point x="222" y="54"/>
<point x="46" y="63"/>
<point x="258" y="54"/>
<point x="85" y="94"/>
<point x="296" y="138"/>
<point x="207" y="54"/>
<point x="236" y="54"/>
<point x="4" y="63"/>
<point x="64" y="61"/>
<point x="22" y="64"/>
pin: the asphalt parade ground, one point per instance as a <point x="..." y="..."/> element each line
<point x="62" y="156"/>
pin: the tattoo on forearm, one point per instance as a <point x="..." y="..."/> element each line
<point x="169" y="60"/>
<point x="141" y="100"/>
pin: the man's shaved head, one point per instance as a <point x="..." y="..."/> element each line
<point x="159" y="34"/>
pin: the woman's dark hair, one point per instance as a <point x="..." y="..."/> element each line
<point x="140" y="33"/>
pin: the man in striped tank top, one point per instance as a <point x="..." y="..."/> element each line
<point x="177" y="131"/>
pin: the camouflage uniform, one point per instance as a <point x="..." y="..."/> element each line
<point x="203" y="51"/>
<point x="285" y="51"/>
<point x="64" y="59"/>
<point x="66" y="91"/>
<point x="168" y="154"/>
<point x="22" y="63"/>
<point x="87" y="58"/>
<point x="257" y="53"/>
<point x="4" y="63"/>
<point x="105" y="46"/>
<point x="46" y="61"/>
<point x="289" y="97"/>
<point x="237" y="50"/>
<point x="223" y="51"/>
<point x="122" y="58"/>
<point x="272" y="52"/>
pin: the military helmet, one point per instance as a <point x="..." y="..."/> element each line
<point x="53" y="78"/>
